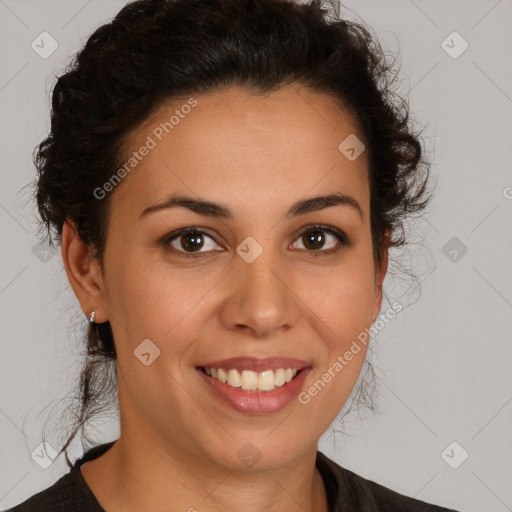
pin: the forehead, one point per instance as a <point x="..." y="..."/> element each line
<point x="232" y="145"/>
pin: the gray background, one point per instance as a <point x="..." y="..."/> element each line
<point x="443" y="363"/>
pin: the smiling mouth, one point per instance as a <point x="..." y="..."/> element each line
<point x="248" y="380"/>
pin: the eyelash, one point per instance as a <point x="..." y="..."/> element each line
<point x="340" y="236"/>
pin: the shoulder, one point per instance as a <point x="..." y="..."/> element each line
<point x="345" y="486"/>
<point x="68" y="494"/>
<point x="61" y="496"/>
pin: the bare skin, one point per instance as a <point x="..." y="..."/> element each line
<point x="257" y="156"/>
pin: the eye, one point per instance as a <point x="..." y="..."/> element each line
<point x="314" y="239"/>
<point x="190" y="241"/>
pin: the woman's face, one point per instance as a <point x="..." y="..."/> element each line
<point x="248" y="285"/>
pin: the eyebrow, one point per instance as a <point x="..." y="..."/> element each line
<point x="216" y="210"/>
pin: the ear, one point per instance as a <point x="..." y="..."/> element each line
<point x="380" y="274"/>
<point x="84" y="273"/>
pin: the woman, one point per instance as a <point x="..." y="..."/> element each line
<point x="226" y="179"/>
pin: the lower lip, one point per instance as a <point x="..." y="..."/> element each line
<point x="263" y="402"/>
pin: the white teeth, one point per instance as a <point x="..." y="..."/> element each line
<point x="249" y="380"/>
<point x="266" y="381"/>
<point x="234" y="378"/>
<point x="252" y="381"/>
<point x="280" y="377"/>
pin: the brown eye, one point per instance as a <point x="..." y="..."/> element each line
<point x="315" y="239"/>
<point x="191" y="241"/>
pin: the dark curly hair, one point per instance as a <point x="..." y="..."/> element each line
<point x="155" y="50"/>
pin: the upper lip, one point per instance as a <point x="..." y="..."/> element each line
<point x="257" y="365"/>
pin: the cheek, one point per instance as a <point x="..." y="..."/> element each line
<point x="150" y="299"/>
<point x="342" y="297"/>
<point x="342" y="323"/>
<point x="342" y="302"/>
<point x="341" y="320"/>
<point x="341" y="306"/>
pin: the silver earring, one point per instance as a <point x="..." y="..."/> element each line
<point x="91" y="319"/>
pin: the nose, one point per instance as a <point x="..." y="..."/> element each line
<point x="260" y="301"/>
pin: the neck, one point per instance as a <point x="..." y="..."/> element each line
<point x="167" y="477"/>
